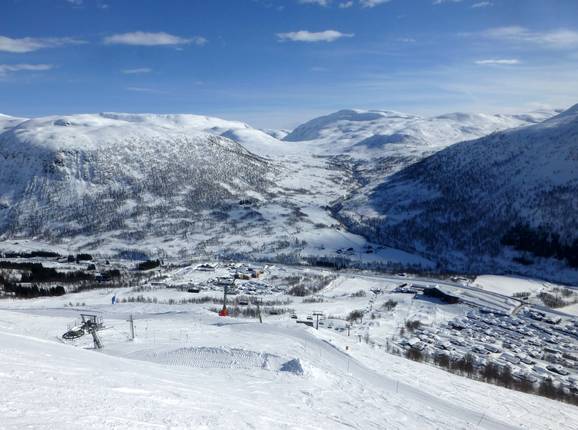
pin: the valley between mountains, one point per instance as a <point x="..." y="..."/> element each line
<point x="356" y="188"/>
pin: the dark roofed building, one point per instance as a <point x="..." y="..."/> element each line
<point x="441" y="295"/>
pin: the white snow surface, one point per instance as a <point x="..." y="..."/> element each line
<point x="508" y="285"/>
<point x="374" y="133"/>
<point x="92" y="131"/>
<point x="191" y="369"/>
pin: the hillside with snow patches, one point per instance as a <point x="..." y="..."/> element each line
<point x="90" y="174"/>
<point x="469" y="196"/>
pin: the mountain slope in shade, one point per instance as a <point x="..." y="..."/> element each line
<point x="87" y="174"/>
<point x="475" y="195"/>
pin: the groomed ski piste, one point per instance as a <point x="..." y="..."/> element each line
<point x="189" y="368"/>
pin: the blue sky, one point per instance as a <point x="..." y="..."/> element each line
<point x="276" y="63"/>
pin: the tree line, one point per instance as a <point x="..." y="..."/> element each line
<point x="541" y="243"/>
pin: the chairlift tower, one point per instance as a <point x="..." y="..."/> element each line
<point x="258" y="303"/>
<point x="224" y="312"/>
<point x="95" y="338"/>
<point x="90" y="324"/>
<point x="317" y="314"/>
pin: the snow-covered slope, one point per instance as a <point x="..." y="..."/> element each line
<point x="469" y="196"/>
<point x="276" y="133"/>
<point x="7" y="122"/>
<point x="257" y="141"/>
<point x="130" y="385"/>
<point x="363" y="134"/>
<point x="68" y="175"/>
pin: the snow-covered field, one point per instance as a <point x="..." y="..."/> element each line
<point x="508" y="285"/>
<point x="189" y="368"/>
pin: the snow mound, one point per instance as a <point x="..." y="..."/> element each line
<point x="292" y="366"/>
<point x="219" y="357"/>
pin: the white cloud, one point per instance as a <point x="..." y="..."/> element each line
<point x="463" y="87"/>
<point x="11" y="68"/>
<point x="137" y="71"/>
<point x="141" y="38"/>
<point x="308" y="36"/>
<point x="372" y="3"/>
<point x="499" y="61"/>
<point x="446" y="1"/>
<point x="346" y="4"/>
<point x="317" y="2"/>
<point x="29" y="44"/>
<point x="145" y="90"/>
<point x="482" y="4"/>
<point x="559" y="38"/>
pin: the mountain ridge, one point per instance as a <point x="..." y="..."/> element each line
<point x="468" y="196"/>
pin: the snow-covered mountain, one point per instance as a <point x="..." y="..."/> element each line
<point x="516" y="187"/>
<point x="372" y="133"/>
<point x="189" y="184"/>
<point x="89" y="174"/>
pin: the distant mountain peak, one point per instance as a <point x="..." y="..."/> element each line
<point x="368" y="133"/>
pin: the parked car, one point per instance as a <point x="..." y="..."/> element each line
<point x="525" y="359"/>
<point x="528" y="377"/>
<point x="557" y="369"/>
<point x="510" y="358"/>
<point x="492" y="348"/>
